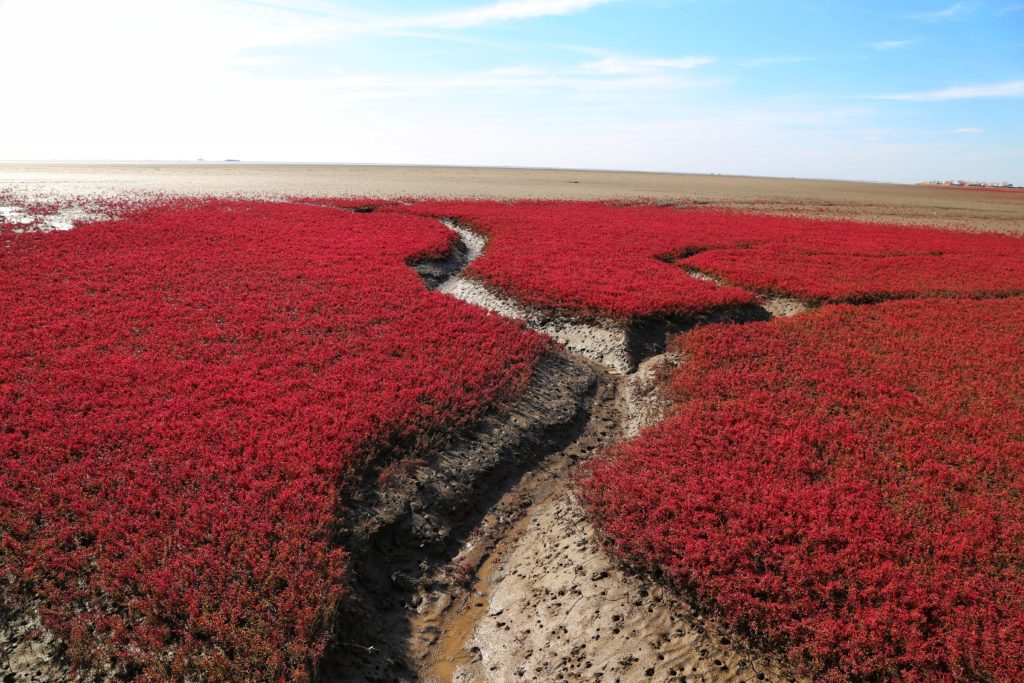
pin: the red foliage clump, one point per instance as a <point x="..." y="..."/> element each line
<point x="183" y="393"/>
<point x="627" y="261"/>
<point x="817" y="260"/>
<point x="846" y="485"/>
<point x="590" y="258"/>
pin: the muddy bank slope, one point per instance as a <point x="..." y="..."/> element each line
<point x="532" y="593"/>
<point x="405" y="538"/>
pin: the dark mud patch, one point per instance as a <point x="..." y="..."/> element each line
<point x="436" y="273"/>
<point x="650" y="336"/>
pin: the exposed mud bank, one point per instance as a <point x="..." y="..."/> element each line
<point x="28" y="650"/>
<point x="547" y="601"/>
<point x="642" y="402"/>
<point x="418" y="543"/>
<point x="783" y="307"/>
<point x="524" y="589"/>
<point x="512" y="582"/>
<point x="441" y="275"/>
<point x="24" y="220"/>
<point x="413" y="505"/>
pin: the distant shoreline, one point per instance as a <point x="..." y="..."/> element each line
<point x="918" y="204"/>
<point x="336" y="164"/>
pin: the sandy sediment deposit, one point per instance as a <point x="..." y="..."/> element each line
<point x="887" y="202"/>
<point x="560" y="608"/>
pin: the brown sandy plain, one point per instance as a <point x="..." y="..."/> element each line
<point x="920" y="204"/>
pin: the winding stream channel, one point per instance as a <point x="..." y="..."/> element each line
<point x="532" y="593"/>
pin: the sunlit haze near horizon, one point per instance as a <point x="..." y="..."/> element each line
<point x="882" y="91"/>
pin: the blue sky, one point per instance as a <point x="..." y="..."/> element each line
<point x="878" y="91"/>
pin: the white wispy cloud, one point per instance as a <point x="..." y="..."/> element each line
<point x="333" y="20"/>
<point x="968" y="131"/>
<point x="624" y="74"/>
<point x="615" y="64"/>
<point x="966" y="92"/>
<point x="893" y="44"/>
<point x="504" y="10"/>
<point x="758" y="62"/>
<point x="952" y="12"/>
<point x="1011" y="8"/>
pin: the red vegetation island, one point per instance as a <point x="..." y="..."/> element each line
<point x="184" y="393"/>
<point x="629" y="261"/>
<point x="845" y="486"/>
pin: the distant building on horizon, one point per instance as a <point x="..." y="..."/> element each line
<point x="969" y="183"/>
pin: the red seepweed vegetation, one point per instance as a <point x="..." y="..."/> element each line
<point x="589" y="258"/>
<point x="846" y="486"/>
<point x="628" y="261"/>
<point x="840" y="261"/>
<point x="183" y="393"/>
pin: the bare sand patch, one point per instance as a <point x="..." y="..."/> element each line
<point x="560" y="608"/>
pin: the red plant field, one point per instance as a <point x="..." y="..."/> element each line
<point x="626" y="261"/>
<point x="864" y="262"/>
<point x="845" y="485"/>
<point x="590" y="258"/>
<point x="187" y="391"/>
<point x="182" y="395"/>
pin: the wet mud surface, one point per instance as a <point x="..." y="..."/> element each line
<point x="418" y="544"/>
